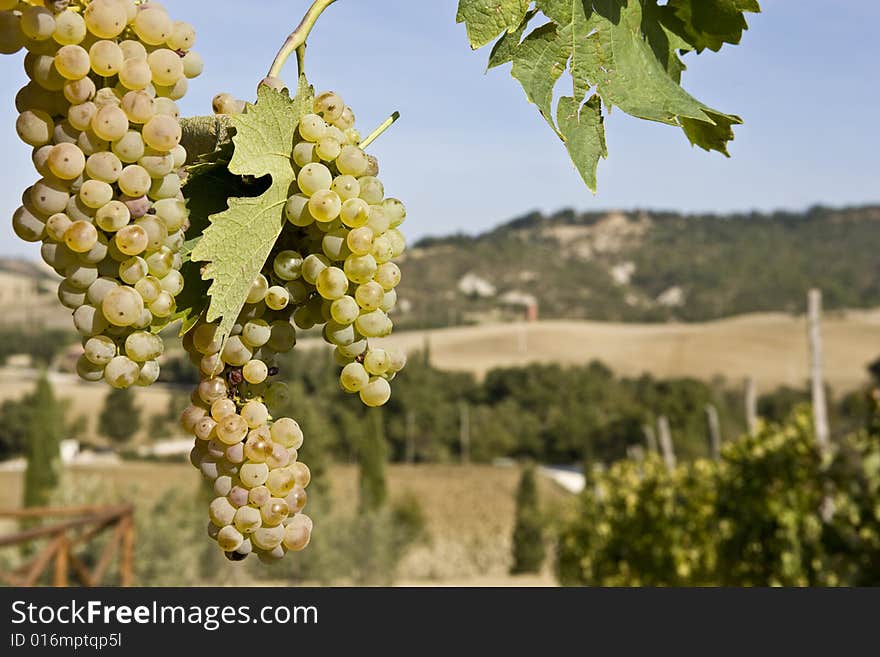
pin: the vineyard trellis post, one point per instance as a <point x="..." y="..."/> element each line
<point x="817" y="383"/>
<point x="714" y="431"/>
<point x="650" y="438"/>
<point x="666" y="446"/>
<point x="751" y="402"/>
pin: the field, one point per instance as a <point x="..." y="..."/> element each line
<point x="469" y="510"/>
<point x="771" y="347"/>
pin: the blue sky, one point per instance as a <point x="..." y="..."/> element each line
<point x="469" y="152"/>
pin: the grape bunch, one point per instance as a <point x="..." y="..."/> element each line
<point x="331" y="267"/>
<point x="100" y="114"/>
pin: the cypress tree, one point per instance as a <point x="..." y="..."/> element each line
<point x="372" y="454"/>
<point x="43" y="447"/>
<point x="528" y="542"/>
<point x="120" y="418"/>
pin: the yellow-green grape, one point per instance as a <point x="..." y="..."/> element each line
<point x="382" y="250"/>
<point x="389" y="301"/>
<point x="141" y="346"/>
<point x="288" y="265"/>
<point x="167" y="107"/>
<point x="296" y="499"/>
<point x="95" y="194"/>
<point x="354" y="377"/>
<point x="328" y="149"/>
<point x="255" y="372"/>
<point x="352" y="161"/>
<point x="287" y="432"/>
<point x="388" y="276"/>
<point x="138" y="106"/>
<point x="372" y="189"/>
<point x="355" y="213"/>
<point x="113" y="216"/>
<point x="160" y="261"/>
<point x="129" y="148"/>
<point x="134" y="181"/>
<point x="376" y="393"/>
<point x="297" y="210"/>
<point x="80" y="237"/>
<point x="121" y="372"/>
<point x="153" y="26"/>
<point x="282" y="337"/>
<point x="236" y="352"/>
<point x="66" y="161"/>
<point x="37" y="23"/>
<point x="80" y="116"/>
<point x="257" y="449"/>
<point x="193" y="65"/>
<point x="314" y="177"/>
<point x="274" y="512"/>
<point x="360" y="240"/>
<point x="56" y="225"/>
<point x="72" y="62"/>
<point x="332" y="283"/>
<point x="162" y="133"/>
<point x="106" y="19"/>
<point x="106" y="58"/>
<point x="221" y="512"/>
<point x="131" y="240"/>
<point x="329" y="106"/>
<point x="158" y="165"/>
<point x="110" y="123"/>
<point x="397" y="240"/>
<point x="149" y="287"/>
<point x="346" y="120"/>
<point x="172" y="212"/>
<point x="49" y="196"/>
<point x="258" y="289"/>
<point x="376" y="361"/>
<point x="255" y="414"/>
<point x="108" y="96"/>
<point x="335" y="246"/>
<point x="232" y="429"/>
<point x="253" y="474"/>
<point x="224" y="103"/>
<point x="100" y="350"/>
<point x="304" y="153"/>
<point x="247" y="519"/>
<point x="346" y="187"/>
<point x="360" y="269"/>
<point x="133" y="270"/>
<point x="122" y="306"/>
<point x="206" y="339"/>
<point x="312" y="127"/>
<point x="277" y="297"/>
<point x="221" y="408"/>
<point x="230" y="539"/>
<point x="378" y="220"/>
<point x="35" y="127"/>
<point x="166" y="66"/>
<point x="280" y="482"/>
<point x="183" y="36"/>
<point x="256" y="333"/>
<point x="372" y="324"/>
<point x="30" y="227"/>
<point x="90" y="143"/>
<point x="77" y="92"/>
<point x="325" y="205"/>
<point x="312" y="265"/>
<point x="132" y="49"/>
<point x="166" y="187"/>
<point x="104" y="166"/>
<point x="372" y="166"/>
<point x="70" y="28"/>
<point x="173" y="282"/>
<point x="298" y="533"/>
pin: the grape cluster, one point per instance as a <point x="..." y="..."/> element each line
<point x="100" y="114"/>
<point x="331" y="267"/>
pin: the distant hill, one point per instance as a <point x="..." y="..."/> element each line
<point x="644" y="266"/>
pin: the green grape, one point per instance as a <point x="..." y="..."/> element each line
<point x="70" y="28"/>
<point x="193" y="65"/>
<point x="372" y="189"/>
<point x="90" y="143"/>
<point x="247" y="519"/>
<point x="163" y="305"/>
<point x="80" y="237"/>
<point x="312" y="127"/>
<point x="100" y="288"/>
<point x="372" y="324"/>
<point x="360" y="240"/>
<point x="346" y="120"/>
<point x="229" y="539"/>
<point x="153" y="26"/>
<point x="329" y="106"/>
<point x="376" y="393"/>
<point x="106" y="58"/>
<point x="89" y="321"/>
<point x="70" y="296"/>
<point x="287" y="432"/>
<point x="354" y="377"/>
<point x="133" y="49"/>
<point x="282" y="337"/>
<point x="130" y="148"/>
<point x="298" y="533"/>
<point x="110" y="123"/>
<point x="256" y="333"/>
<point x="37" y="23"/>
<point x="28" y="226"/>
<point x="389" y="301"/>
<point x="268" y="538"/>
<point x="255" y="372"/>
<point x="77" y="92"/>
<point x="346" y="187"/>
<point x="88" y="371"/>
<point x="297" y="210"/>
<point x="11" y="37"/>
<point x="106" y="19"/>
<point x="355" y="213"/>
<point x="328" y="149"/>
<point x="324" y="205"/>
<point x="332" y="283"/>
<point x="166" y="66"/>
<point x="335" y="246"/>
<point x="360" y="269"/>
<point x="167" y="187"/>
<point x="304" y="153"/>
<point x="287" y="265"/>
<point x="66" y="161"/>
<point x="378" y="221"/>
<point x="122" y="306"/>
<point x="236" y="352"/>
<point x="141" y="346"/>
<point x="158" y="165"/>
<point x="100" y="350"/>
<point x="80" y="116"/>
<point x="56" y="225"/>
<point x="376" y="362"/>
<point x="313" y="265"/>
<point x="253" y="474"/>
<point x="149" y="287"/>
<point x="388" y="276"/>
<point x="113" y="216"/>
<point x="35" y="127"/>
<point x="72" y="62"/>
<point x="65" y="133"/>
<point x="135" y="74"/>
<point x="277" y="297"/>
<point x="131" y="240"/>
<point x="132" y="270"/>
<point x="382" y="251"/>
<point x="135" y="181"/>
<point x="352" y="161"/>
<point x="162" y="133"/>
<point x="255" y="414"/>
<point x="314" y="177"/>
<point x="96" y="194"/>
<point x="173" y="282"/>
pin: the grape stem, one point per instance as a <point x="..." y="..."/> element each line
<point x="298" y="37"/>
<point x="373" y="136"/>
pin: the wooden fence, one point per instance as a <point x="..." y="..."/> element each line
<point x="78" y="526"/>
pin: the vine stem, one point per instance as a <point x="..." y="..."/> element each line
<point x="298" y="37"/>
<point x="373" y="136"/>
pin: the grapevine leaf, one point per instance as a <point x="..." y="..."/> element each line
<point x="584" y="132"/>
<point x="486" y="19"/>
<point x="504" y="48"/>
<point x="238" y="241"/>
<point x="537" y="63"/>
<point x="708" y="23"/>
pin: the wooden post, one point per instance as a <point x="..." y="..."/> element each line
<point x="666" y="442"/>
<point x="650" y="438"/>
<point x="714" y="427"/>
<point x="464" y="425"/>
<point x="817" y="384"/>
<point x="126" y="562"/>
<point x="60" y="578"/>
<point x="751" y="400"/>
<point x="410" y="437"/>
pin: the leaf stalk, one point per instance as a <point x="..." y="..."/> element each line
<point x="298" y="37"/>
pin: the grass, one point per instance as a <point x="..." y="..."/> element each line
<point x="469" y="511"/>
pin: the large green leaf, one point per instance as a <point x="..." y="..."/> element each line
<point x="239" y="239"/>
<point x="627" y="51"/>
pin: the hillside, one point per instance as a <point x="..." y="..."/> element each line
<point x="644" y="266"/>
